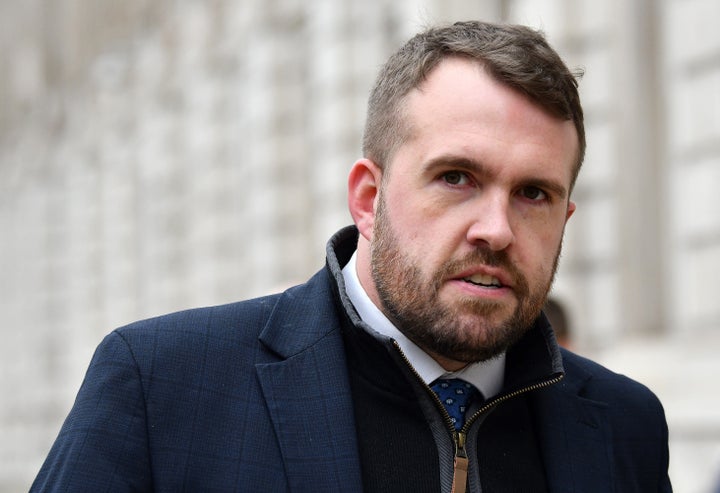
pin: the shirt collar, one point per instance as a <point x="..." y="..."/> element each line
<point x="486" y="376"/>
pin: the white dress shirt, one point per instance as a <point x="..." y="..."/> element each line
<point x="486" y="376"/>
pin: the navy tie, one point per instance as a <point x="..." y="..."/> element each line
<point x="455" y="394"/>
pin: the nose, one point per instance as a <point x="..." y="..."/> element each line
<point x="491" y="225"/>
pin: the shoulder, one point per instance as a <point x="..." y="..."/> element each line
<point x="230" y="322"/>
<point x="247" y="329"/>
<point x="602" y="408"/>
<point x="237" y="318"/>
<point x="628" y="407"/>
<point x="188" y="340"/>
<point x="596" y="382"/>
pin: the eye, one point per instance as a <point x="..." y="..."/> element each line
<point x="533" y="193"/>
<point x="455" y="178"/>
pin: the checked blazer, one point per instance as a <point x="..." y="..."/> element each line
<point x="255" y="396"/>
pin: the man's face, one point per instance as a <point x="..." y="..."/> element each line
<point x="470" y="215"/>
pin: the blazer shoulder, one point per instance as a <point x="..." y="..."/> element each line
<point x="599" y="383"/>
<point x="601" y="431"/>
<point x="244" y="330"/>
<point x="189" y="338"/>
<point x="243" y="320"/>
<point x="240" y="317"/>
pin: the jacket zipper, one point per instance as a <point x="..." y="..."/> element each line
<point x="461" y="458"/>
<point x="460" y="472"/>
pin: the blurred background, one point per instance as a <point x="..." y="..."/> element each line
<point x="162" y="154"/>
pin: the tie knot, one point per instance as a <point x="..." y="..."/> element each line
<point x="456" y="395"/>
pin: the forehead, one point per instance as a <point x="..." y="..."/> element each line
<point x="461" y="109"/>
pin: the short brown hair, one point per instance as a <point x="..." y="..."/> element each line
<point x="517" y="56"/>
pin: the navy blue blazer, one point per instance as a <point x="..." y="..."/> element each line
<point x="235" y="398"/>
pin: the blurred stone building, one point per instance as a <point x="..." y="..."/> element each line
<point x="158" y="154"/>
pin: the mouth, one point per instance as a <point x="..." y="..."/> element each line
<point x="484" y="280"/>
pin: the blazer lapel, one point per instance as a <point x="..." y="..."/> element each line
<point x="575" y="436"/>
<point x="308" y="393"/>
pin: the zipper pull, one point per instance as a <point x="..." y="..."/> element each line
<point x="460" y="472"/>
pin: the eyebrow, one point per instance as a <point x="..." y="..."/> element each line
<point x="478" y="168"/>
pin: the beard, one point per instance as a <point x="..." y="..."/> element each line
<point x="465" y="330"/>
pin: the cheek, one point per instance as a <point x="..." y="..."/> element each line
<point x="540" y="245"/>
<point x="412" y="221"/>
<point x="426" y="241"/>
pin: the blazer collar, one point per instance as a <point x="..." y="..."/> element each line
<point x="305" y="314"/>
<point x="575" y="435"/>
<point x="307" y="390"/>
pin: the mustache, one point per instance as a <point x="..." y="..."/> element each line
<point x="487" y="257"/>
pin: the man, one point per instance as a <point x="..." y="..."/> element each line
<point x="473" y="143"/>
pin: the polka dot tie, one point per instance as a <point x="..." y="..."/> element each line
<point x="455" y="394"/>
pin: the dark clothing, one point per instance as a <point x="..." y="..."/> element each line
<point x="287" y="393"/>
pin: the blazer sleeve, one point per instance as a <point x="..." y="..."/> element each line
<point x="103" y="444"/>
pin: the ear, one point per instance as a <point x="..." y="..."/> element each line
<point x="570" y="210"/>
<point x="363" y="188"/>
